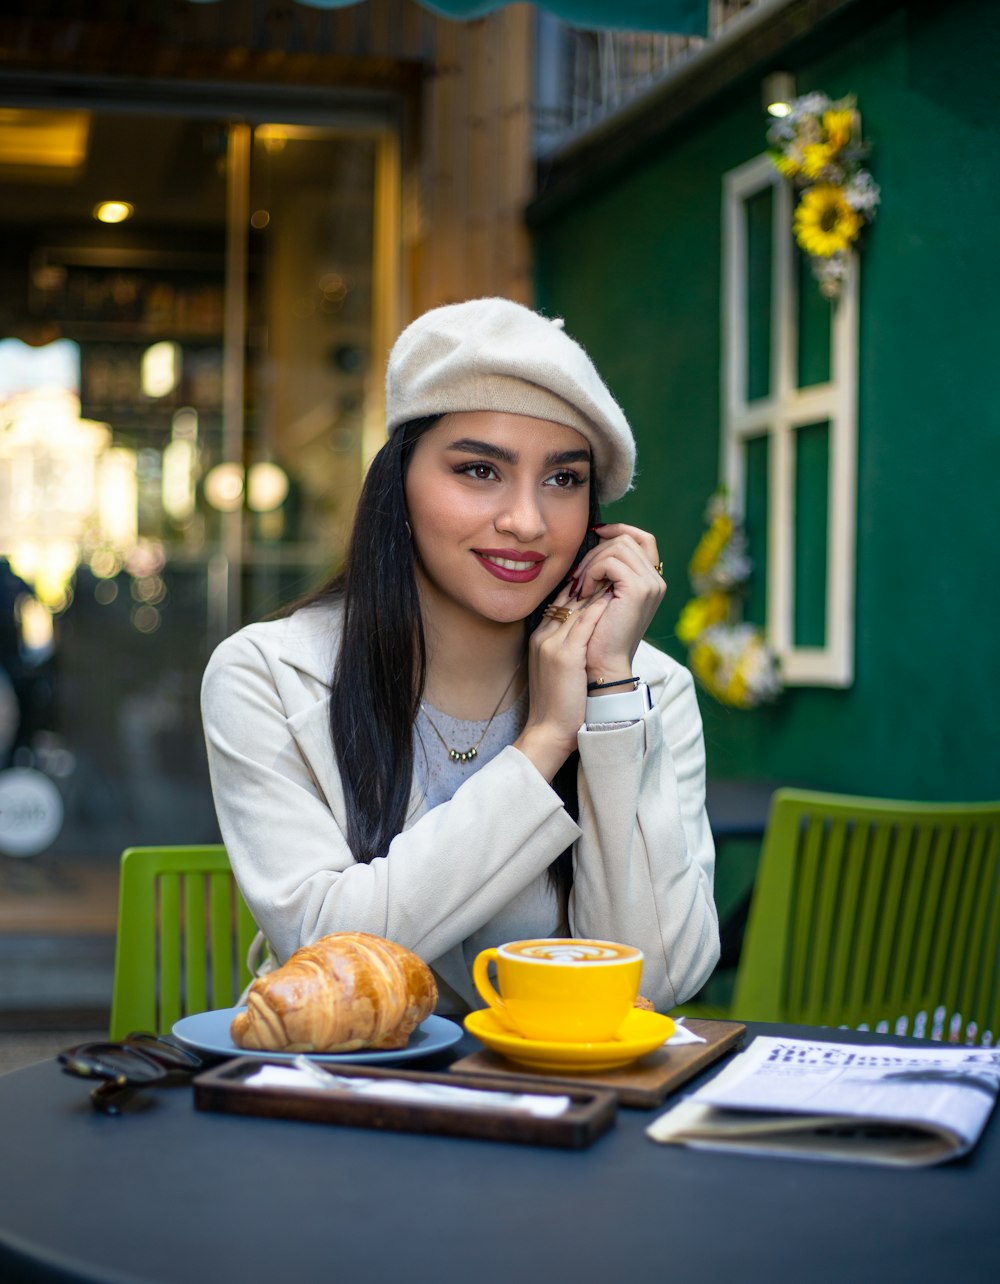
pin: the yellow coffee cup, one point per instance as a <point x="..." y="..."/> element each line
<point x="561" y="989"/>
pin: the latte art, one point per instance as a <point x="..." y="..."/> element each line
<point x="570" y="951"/>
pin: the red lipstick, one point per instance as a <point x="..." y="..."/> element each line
<point x="513" y="565"/>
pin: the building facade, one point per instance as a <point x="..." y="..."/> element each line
<point x="647" y="205"/>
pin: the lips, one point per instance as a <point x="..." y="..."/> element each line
<point x="511" y="565"/>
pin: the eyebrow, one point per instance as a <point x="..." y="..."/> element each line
<point x="503" y="455"/>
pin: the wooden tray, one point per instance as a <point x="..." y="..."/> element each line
<point x="591" y="1111"/>
<point x="644" y="1083"/>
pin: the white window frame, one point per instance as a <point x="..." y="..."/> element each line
<point x="779" y="415"/>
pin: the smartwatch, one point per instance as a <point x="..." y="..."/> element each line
<point x="623" y="706"/>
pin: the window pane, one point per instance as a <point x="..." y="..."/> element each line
<point x="815" y="319"/>
<point x="311" y="347"/>
<point x="759" y="210"/>
<point x="108" y="548"/>
<point x="115" y="489"/>
<point x="755" y="515"/>
<point x="812" y="467"/>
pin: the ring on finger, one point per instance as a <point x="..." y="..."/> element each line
<point x="558" y="613"/>
<point x="658" y="568"/>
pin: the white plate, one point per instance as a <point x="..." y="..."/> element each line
<point x="209" y="1032"/>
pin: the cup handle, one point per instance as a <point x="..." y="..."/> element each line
<point x="481" y="980"/>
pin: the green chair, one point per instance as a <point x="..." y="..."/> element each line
<point x="183" y="935"/>
<point x="874" y="914"/>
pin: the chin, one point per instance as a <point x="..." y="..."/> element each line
<point x="513" y="611"/>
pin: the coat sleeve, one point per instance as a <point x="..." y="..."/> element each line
<point x="442" y="878"/>
<point x="645" y="860"/>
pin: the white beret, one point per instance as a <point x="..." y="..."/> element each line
<point x="494" y="354"/>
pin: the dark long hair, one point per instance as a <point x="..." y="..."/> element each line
<point x="379" y="674"/>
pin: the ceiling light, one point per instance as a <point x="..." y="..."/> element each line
<point x="113" y="211"/>
<point x="778" y="93"/>
<point x="43" y="140"/>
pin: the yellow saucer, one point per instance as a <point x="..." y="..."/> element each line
<point x="641" y="1033"/>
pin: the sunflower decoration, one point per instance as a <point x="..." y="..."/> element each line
<point x="824" y="223"/>
<point x="818" y="147"/>
<point x="730" y="659"/>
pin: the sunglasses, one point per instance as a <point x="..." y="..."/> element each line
<point x="138" y="1060"/>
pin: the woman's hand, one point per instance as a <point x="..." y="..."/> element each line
<point x="624" y="563"/>
<point x="557" y="679"/>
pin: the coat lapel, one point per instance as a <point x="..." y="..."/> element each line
<point x="310" y="648"/>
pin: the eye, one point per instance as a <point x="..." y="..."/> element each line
<point x="478" y="470"/>
<point x="566" y="479"/>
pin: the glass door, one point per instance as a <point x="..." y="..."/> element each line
<point x="193" y="323"/>
<point x="322" y="212"/>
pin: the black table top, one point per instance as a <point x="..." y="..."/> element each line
<point x="170" y="1195"/>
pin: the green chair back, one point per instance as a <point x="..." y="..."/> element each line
<point x="875" y="914"/>
<point x="183" y="935"/>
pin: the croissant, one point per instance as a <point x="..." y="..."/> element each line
<point x="343" y="992"/>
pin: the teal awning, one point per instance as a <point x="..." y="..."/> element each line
<point x="680" y="17"/>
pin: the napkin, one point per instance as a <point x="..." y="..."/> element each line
<point x="407" y="1090"/>
<point x="683" y="1035"/>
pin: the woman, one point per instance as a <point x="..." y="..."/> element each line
<point x="463" y="740"/>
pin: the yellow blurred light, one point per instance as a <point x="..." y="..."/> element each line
<point x="161" y="363"/>
<point x="267" y="487"/>
<point x="179" y="461"/>
<point x="118" y="503"/>
<point x="48" y="566"/>
<point x="224" y="487"/>
<point x="113" y="211"/>
<point x="43" y="139"/>
<point x="273" y="137"/>
<point x="105" y="563"/>
<point x="778" y="109"/>
<point x="35" y="619"/>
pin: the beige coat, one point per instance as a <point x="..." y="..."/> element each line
<point x="471" y="872"/>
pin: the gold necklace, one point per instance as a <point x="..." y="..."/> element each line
<point x="467" y="755"/>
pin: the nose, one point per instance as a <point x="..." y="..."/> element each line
<point x="521" y="514"/>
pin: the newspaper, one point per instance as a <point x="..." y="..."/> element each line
<point x="842" y="1101"/>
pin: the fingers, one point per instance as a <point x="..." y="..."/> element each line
<point x="557" y="675"/>
<point x="565" y="630"/>
<point x="624" y="553"/>
<point x="624" y="566"/>
<point x="566" y="610"/>
<point x="625" y="562"/>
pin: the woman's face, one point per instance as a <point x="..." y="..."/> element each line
<point x="498" y="505"/>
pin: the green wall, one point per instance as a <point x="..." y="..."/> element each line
<point x="634" y="266"/>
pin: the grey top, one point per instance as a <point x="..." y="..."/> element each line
<point x="437" y="775"/>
